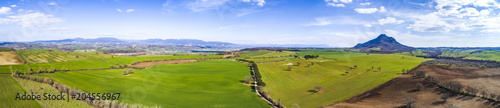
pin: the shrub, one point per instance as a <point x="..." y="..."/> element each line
<point x="318" y="87"/>
<point x="409" y="102"/>
<point x="248" y="79"/>
<point x="125" y="72"/>
<point x="48" y="80"/>
<point x="419" y="86"/>
<point x="130" y="71"/>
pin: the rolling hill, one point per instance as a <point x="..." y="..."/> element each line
<point x="383" y="44"/>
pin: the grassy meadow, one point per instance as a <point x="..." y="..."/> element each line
<point x="211" y="83"/>
<point x="485" y="55"/>
<point x="93" y="63"/>
<point x="44" y="56"/>
<point x="40" y="88"/>
<point x="298" y="85"/>
<point x="9" y="89"/>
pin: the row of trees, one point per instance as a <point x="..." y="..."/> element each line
<point x="73" y="91"/>
<point x="459" y="88"/>
<point x="39" y="71"/>
<point x="465" y="62"/>
<point x="261" y="84"/>
<point x="128" y="71"/>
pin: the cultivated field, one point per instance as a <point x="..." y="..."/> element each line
<point x="403" y="87"/>
<point x="297" y="87"/>
<point x="95" y="64"/>
<point x="10" y="88"/>
<point x="44" y="56"/>
<point x="9" y="58"/>
<point x="211" y="83"/>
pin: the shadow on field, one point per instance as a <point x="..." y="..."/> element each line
<point x="412" y="91"/>
<point x="312" y="91"/>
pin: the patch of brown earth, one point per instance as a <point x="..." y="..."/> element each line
<point x="394" y="92"/>
<point x="9" y="58"/>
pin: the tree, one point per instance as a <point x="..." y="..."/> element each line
<point x="379" y="68"/>
<point x="450" y="105"/>
<point x="346" y="72"/>
<point x="130" y="71"/>
<point x="498" y="97"/>
<point x="48" y="81"/>
<point x="409" y="102"/>
<point x="355" y="66"/>
<point x="289" y="68"/>
<point x="125" y="72"/>
<point x="312" y="63"/>
<point x="420" y="74"/>
<point x="318" y="88"/>
<point x="484" y="94"/>
<point x="76" y="56"/>
<point x="372" y="67"/>
<point x="493" y="96"/>
<point x="419" y="86"/>
<point x="248" y="79"/>
<point x="456" y="86"/>
<point x="298" y="63"/>
<point x="308" y="65"/>
<point x="403" y="71"/>
<point x="445" y="96"/>
<point x="471" y="91"/>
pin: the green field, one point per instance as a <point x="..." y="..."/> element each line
<point x="94" y="64"/>
<point x="270" y="59"/>
<point x="40" y="88"/>
<point x="276" y="54"/>
<point x="254" y="54"/>
<point x="485" y="55"/>
<point x="330" y="54"/>
<point x="44" y="56"/>
<point x="5" y="49"/>
<point x="212" y="83"/>
<point x="9" y="88"/>
<point x="297" y="86"/>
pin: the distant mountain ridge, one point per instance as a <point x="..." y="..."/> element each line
<point x="385" y="43"/>
<point x="147" y="41"/>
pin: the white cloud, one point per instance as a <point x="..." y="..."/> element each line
<point x="53" y="3"/>
<point x="365" y="3"/>
<point x="258" y="2"/>
<point x="338" y="20"/>
<point x="5" y="10"/>
<point x="390" y="20"/>
<point x="367" y="25"/>
<point x="459" y="15"/>
<point x="370" y="10"/>
<point x="337" y="3"/>
<point x="119" y="10"/>
<point x="203" y="5"/>
<point x="13" y="5"/>
<point x="34" y="19"/>
<point x="366" y="10"/>
<point x="130" y="10"/>
<point x="321" y="21"/>
<point x="382" y="9"/>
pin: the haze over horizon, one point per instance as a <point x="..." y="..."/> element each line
<point x="337" y="23"/>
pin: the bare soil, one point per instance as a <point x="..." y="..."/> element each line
<point x="9" y="58"/>
<point x="149" y="64"/>
<point x="393" y="93"/>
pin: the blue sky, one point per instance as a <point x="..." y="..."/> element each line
<point x="337" y="23"/>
